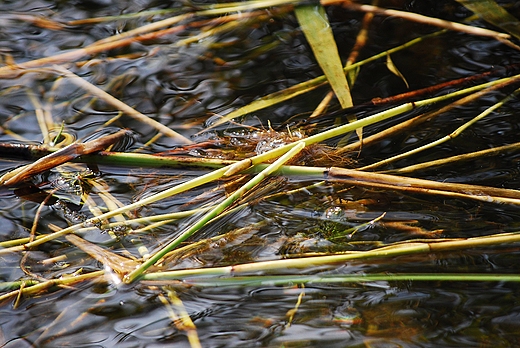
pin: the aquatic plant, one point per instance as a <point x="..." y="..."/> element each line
<point x="167" y="229"/>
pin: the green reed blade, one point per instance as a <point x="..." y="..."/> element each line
<point x="316" y="27"/>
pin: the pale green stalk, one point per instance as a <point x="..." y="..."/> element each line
<point x="446" y="138"/>
<point x="147" y="160"/>
<point x="289" y="280"/>
<point x="215" y="211"/>
<point x="408" y="248"/>
<point x="142" y="220"/>
<point x="14" y="242"/>
<point x="17" y="284"/>
<point x="448" y="160"/>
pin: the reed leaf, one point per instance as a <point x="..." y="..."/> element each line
<point x="316" y="27"/>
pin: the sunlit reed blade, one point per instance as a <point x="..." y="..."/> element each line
<point x="182" y="320"/>
<point x="316" y="27"/>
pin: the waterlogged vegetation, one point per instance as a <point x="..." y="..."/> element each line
<point x="259" y="173"/>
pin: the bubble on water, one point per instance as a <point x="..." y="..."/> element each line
<point x="335" y="213"/>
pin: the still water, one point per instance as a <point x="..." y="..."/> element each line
<point x="186" y="87"/>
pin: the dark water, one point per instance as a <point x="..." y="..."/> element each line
<point x="184" y="87"/>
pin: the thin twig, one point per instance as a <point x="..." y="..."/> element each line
<point x="419" y="19"/>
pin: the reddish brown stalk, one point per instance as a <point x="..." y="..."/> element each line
<point x="64" y="155"/>
<point x="362" y="37"/>
<point x="433" y="89"/>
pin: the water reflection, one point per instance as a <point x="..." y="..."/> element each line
<point x="183" y="87"/>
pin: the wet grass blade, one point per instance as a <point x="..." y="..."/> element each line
<point x="391" y="66"/>
<point x="316" y="27"/>
<point x="118" y="263"/>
